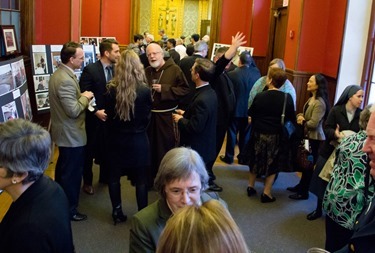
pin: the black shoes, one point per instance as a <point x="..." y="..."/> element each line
<point x="78" y="217"/>
<point x="214" y="187"/>
<point x="225" y="159"/>
<point x="314" y="215"/>
<point x="299" y="196"/>
<point x="264" y="198"/>
<point x="251" y="191"/>
<point x="294" y="188"/>
<point x="118" y="216"/>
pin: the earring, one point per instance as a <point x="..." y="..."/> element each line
<point x="14" y="181"/>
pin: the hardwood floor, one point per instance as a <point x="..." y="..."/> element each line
<point x="6" y="200"/>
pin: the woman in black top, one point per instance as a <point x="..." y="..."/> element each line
<point x="266" y="143"/>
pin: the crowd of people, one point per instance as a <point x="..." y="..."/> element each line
<point x="159" y="117"/>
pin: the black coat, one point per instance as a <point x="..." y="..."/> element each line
<point x="198" y="126"/>
<point x="38" y="221"/>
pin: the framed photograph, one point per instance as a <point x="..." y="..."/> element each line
<point x="9" y="37"/>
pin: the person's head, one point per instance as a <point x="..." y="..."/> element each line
<point x="72" y="55"/>
<point x="201" y="47"/>
<point x="182" y="37"/>
<point x="206" y="38"/>
<point x="149" y="38"/>
<point x="364" y="117"/>
<point x="219" y="53"/>
<point x="138" y="38"/>
<point x="352" y="96"/>
<point x="208" y="228"/>
<point x="179" y="42"/>
<point x="246" y="59"/>
<point x="277" y="63"/>
<point x="317" y="85"/>
<point x="369" y="146"/>
<point x="25" y="152"/>
<point x="190" y="50"/>
<point x="203" y="69"/>
<point x="171" y="43"/>
<point x="194" y="38"/>
<point x="276" y="77"/>
<point x="181" y="178"/>
<point x="109" y="51"/>
<point x="161" y="32"/>
<point x="129" y="73"/>
<point x="155" y="55"/>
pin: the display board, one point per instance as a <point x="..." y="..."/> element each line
<point x="235" y="58"/>
<point x="45" y="60"/>
<point x="14" y="95"/>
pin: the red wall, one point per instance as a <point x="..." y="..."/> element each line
<point x="90" y="19"/>
<point x="116" y="20"/>
<point x="319" y="28"/>
<point x="52" y="26"/>
<point x="250" y="17"/>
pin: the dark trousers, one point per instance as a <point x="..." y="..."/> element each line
<point x="68" y="173"/>
<point x="336" y="236"/>
<point x="307" y="175"/>
<point x="94" y="149"/>
<point x="240" y="126"/>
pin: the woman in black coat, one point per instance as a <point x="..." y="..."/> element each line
<point x="128" y="107"/>
<point x="343" y="116"/>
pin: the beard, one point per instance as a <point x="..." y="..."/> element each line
<point x="155" y="64"/>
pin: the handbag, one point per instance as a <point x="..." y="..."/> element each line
<point x="304" y="157"/>
<point x="288" y="127"/>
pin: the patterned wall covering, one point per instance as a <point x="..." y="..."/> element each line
<point x="144" y="16"/>
<point x="191" y="16"/>
<point x="192" y="12"/>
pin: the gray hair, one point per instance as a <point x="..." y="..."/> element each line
<point x="365" y="116"/>
<point x="179" y="164"/>
<point x="25" y="148"/>
<point x="280" y="63"/>
<point x="200" y="46"/>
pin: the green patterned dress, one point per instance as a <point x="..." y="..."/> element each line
<point x="344" y="198"/>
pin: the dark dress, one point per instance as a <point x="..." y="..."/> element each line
<point x="127" y="145"/>
<point x="38" y="221"/>
<point x="267" y="151"/>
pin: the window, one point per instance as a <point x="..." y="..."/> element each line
<point x="10" y="15"/>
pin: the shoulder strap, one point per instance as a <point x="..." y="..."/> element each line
<point x="283" y="114"/>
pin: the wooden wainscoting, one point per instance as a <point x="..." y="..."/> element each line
<point x="299" y="80"/>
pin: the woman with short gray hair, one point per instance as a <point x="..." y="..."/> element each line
<point x="38" y="220"/>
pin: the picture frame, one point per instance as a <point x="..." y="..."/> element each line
<point x="8" y="33"/>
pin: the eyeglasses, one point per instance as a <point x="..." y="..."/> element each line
<point x="177" y="193"/>
<point x="153" y="54"/>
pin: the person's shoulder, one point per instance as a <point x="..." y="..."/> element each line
<point x="150" y="212"/>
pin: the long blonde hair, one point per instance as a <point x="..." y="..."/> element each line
<point x="202" y="229"/>
<point x="129" y="75"/>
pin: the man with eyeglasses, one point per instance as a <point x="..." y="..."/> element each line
<point x="168" y="85"/>
<point x="181" y="181"/>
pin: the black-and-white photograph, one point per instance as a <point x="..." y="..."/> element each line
<point x="42" y="101"/>
<point x="40" y="63"/>
<point x="10" y="111"/>
<point x="41" y="83"/>
<point x="19" y="73"/>
<point x="6" y="79"/>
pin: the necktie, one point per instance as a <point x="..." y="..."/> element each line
<point x="109" y="73"/>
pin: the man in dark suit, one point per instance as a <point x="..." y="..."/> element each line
<point x="198" y="123"/>
<point x="243" y="79"/>
<point x="171" y="44"/>
<point x="68" y="109"/>
<point x="200" y="51"/>
<point x="94" y="78"/>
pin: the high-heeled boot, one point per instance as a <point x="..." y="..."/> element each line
<point x="118" y="216"/>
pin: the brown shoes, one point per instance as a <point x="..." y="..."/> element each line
<point x="88" y="189"/>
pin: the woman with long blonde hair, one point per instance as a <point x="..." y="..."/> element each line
<point x="128" y="107"/>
